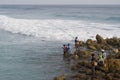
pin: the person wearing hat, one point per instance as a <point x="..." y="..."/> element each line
<point x="104" y="54"/>
<point x="100" y="58"/>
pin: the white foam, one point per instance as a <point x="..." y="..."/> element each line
<point x="52" y="29"/>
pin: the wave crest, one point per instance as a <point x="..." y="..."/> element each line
<point x="52" y="29"/>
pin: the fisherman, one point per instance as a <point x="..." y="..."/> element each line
<point x="93" y="63"/>
<point x="104" y="54"/>
<point x="100" y="59"/>
<point x="93" y="56"/>
<point x="64" y="48"/>
<point x="68" y="48"/>
<point x="76" y="42"/>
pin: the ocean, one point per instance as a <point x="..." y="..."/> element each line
<point x="31" y="36"/>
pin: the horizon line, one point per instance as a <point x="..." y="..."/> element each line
<point x="59" y="4"/>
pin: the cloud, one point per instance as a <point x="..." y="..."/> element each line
<point x="59" y="1"/>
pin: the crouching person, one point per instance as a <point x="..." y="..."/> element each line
<point x="93" y="64"/>
<point x="100" y="60"/>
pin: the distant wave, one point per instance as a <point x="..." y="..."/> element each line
<point x="57" y="29"/>
<point x="114" y="18"/>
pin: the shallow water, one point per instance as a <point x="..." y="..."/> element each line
<point x="28" y="58"/>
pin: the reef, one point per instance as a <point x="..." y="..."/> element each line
<point x="81" y="68"/>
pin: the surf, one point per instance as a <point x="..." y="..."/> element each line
<point x="57" y="29"/>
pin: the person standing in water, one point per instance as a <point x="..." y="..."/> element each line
<point x="64" y="48"/>
<point x="76" y="42"/>
<point x="68" y="48"/>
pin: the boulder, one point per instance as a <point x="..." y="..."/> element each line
<point x="75" y="67"/>
<point x="78" y="76"/>
<point x="81" y="43"/>
<point x="108" y="77"/>
<point x="92" y="47"/>
<point x="117" y="55"/>
<point x="113" y="65"/>
<point x="113" y="41"/>
<point x="115" y="51"/>
<point x="61" y="77"/>
<point x="83" y="53"/>
<point x="75" y="57"/>
<point x="91" y="42"/>
<point x="100" y="40"/>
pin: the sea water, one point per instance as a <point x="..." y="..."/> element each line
<point x="31" y="36"/>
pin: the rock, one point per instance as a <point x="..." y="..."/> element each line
<point x="113" y="65"/>
<point x="113" y="41"/>
<point x="81" y="43"/>
<point x="107" y="47"/>
<point x="81" y="65"/>
<point x="111" y="56"/>
<point x="115" y="79"/>
<point x="108" y="77"/>
<point x="76" y="57"/>
<point x="100" y="40"/>
<point x="61" y="77"/>
<point x="100" y="73"/>
<point x="88" y="71"/>
<point x="75" y="67"/>
<point x="79" y="76"/>
<point x="115" y="51"/>
<point x="83" y="53"/>
<point x="117" y="55"/>
<point x="117" y="75"/>
<point x="98" y="46"/>
<point x="91" y="42"/>
<point x="92" y="47"/>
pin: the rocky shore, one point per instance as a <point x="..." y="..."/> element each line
<point x="81" y="67"/>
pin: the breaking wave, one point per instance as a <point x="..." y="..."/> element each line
<point x="57" y="29"/>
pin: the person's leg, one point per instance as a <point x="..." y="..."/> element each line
<point x="93" y="71"/>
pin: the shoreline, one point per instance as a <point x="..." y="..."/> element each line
<point x="81" y="66"/>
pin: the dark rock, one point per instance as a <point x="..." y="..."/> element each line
<point x="113" y="41"/>
<point x="100" y="40"/>
<point x="83" y="53"/>
<point x="75" y="67"/>
<point x="61" y="77"/>
<point x="113" y="65"/>
<point x="91" y="42"/>
<point x="81" y="43"/>
<point x="79" y="76"/>
<point x="117" y="55"/>
<point x="117" y="75"/>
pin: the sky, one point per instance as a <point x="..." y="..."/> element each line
<point x="60" y="2"/>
